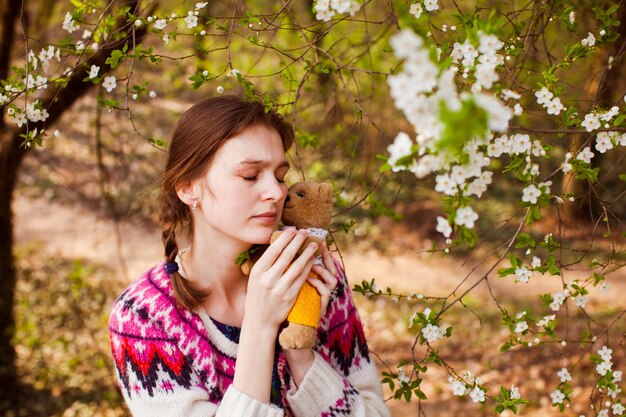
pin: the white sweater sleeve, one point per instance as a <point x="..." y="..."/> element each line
<point x="324" y="390"/>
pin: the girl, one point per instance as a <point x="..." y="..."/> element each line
<point x="194" y="336"/>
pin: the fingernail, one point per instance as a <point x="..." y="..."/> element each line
<point x="313" y="246"/>
<point x="303" y="232"/>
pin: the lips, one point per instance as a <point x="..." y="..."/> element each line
<point x="268" y="215"/>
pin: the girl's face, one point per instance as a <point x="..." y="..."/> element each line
<point x="240" y="199"/>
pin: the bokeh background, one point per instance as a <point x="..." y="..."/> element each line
<point x="85" y="212"/>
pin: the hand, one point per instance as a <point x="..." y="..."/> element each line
<point x="276" y="278"/>
<point x="327" y="281"/>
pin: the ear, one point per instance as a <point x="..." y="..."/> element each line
<point x="325" y="192"/>
<point x="187" y="193"/>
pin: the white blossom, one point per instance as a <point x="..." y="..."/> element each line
<point x="465" y="216"/>
<point x="109" y="83"/>
<point x="93" y="71"/>
<point x="219" y="89"/>
<point x="400" y="148"/>
<point x="536" y="263"/>
<point x="618" y="409"/>
<point x="431" y="5"/>
<point x="201" y="5"/>
<point x="591" y="122"/>
<point x="613" y="393"/>
<point x="580" y="301"/>
<point x="603" y="367"/>
<point x="546" y="320"/>
<point x="521" y="327"/>
<point x="554" y="106"/>
<point x="191" y="20"/>
<point x="543" y="96"/>
<point x="431" y="332"/>
<point x="458" y="388"/>
<point x="585" y="155"/>
<point x="605" y="353"/>
<point x="603" y="141"/>
<point x="564" y="375"/>
<point x="160" y="24"/>
<point x="557" y="397"/>
<point x="445" y="184"/>
<point x="530" y="194"/>
<point x="499" y="114"/>
<point x="416" y="9"/>
<point x="69" y="24"/>
<point x="566" y="167"/>
<point x="477" y="395"/>
<point x="515" y="395"/>
<point x="589" y="41"/>
<point x="324" y="14"/>
<point x="522" y="274"/>
<point x="443" y="226"/>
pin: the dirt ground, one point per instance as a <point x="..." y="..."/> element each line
<point x="131" y="248"/>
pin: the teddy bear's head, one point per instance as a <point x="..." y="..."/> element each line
<point x="308" y="204"/>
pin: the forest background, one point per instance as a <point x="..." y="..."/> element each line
<point x="458" y="316"/>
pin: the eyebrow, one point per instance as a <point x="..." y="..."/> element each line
<point x="262" y="163"/>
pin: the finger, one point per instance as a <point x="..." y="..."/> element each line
<point x="292" y="288"/>
<point x="323" y="291"/>
<point x="329" y="279"/>
<point x="299" y="264"/>
<point x="328" y="259"/>
<point x="288" y="258"/>
<point x="275" y="249"/>
<point x="319" y="286"/>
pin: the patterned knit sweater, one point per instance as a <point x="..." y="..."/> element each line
<point x="171" y="361"/>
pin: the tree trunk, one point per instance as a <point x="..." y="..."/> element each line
<point x="8" y="175"/>
<point x="605" y="90"/>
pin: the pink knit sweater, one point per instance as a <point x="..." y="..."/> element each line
<point x="171" y="361"/>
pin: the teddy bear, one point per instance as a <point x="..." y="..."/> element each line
<point x="308" y="205"/>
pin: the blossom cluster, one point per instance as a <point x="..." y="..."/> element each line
<point x="552" y="104"/>
<point x="430" y="330"/>
<point x="472" y="386"/>
<point x="421" y="90"/>
<point x="325" y="10"/>
<point x="482" y="59"/>
<point x="416" y="9"/>
<point x="32" y="82"/>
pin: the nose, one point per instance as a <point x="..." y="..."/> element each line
<point x="274" y="190"/>
<point x="287" y="198"/>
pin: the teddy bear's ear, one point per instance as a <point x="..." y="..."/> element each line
<point x="325" y="192"/>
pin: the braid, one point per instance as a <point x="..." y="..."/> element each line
<point x="186" y="294"/>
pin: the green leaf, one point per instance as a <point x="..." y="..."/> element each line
<point x="115" y="58"/>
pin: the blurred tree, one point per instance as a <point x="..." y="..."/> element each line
<point x="58" y="99"/>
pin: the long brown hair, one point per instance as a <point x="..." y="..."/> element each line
<point x="199" y="134"/>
